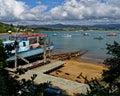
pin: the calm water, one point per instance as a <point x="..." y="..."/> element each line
<point x="96" y="48"/>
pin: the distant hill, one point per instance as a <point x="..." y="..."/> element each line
<point x="5" y="27"/>
<point x="107" y="26"/>
<point x="78" y="26"/>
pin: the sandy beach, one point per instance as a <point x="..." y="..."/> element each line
<point x="73" y="68"/>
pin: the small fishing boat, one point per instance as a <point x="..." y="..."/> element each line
<point x="67" y="35"/>
<point x="85" y="34"/>
<point x="54" y="34"/>
<point x="113" y="34"/>
<point x="99" y="38"/>
<point x="28" y="45"/>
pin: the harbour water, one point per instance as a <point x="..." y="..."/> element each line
<point x="78" y="41"/>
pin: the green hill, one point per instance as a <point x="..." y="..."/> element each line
<point x="5" y="27"/>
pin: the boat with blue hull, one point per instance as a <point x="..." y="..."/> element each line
<point x="30" y="53"/>
<point x="27" y="46"/>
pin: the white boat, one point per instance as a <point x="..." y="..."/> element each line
<point x="54" y="34"/>
<point x="27" y="45"/>
<point x="67" y="35"/>
<point x="85" y="34"/>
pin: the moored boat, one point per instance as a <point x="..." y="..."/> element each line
<point x="113" y="34"/>
<point x="28" y="45"/>
<point x="54" y="34"/>
<point x="85" y="34"/>
<point x="67" y="35"/>
<point x="99" y="38"/>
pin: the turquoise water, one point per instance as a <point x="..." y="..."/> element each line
<point x="96" y="48"/>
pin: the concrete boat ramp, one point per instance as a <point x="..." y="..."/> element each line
<point x="69" y="86"/>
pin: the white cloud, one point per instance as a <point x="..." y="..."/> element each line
<point x="114" y="2"/>
<point x="88" y="10"/>
<point x="11" y="9"/>
<point x="71" y="12"/>
<point x="16" y="11"/>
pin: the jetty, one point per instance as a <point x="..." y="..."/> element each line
<point x="69" y="86"/>
<point x="47" y="60"/>
<point x="68" y="55"/>
<point x="41" y="68"/>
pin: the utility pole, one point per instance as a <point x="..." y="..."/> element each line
<point x="10" y="35"/>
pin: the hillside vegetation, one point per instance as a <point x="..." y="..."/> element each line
<point x="6" y="27"/>
<point x="57" y="27"/>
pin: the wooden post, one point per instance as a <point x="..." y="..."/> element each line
<point x="23" y="59"/>
<point x="26" y="30"/>
<point x="49" y="52"/>
<point x="44" y="54"/>
<point x="16" y="54"/>
<point x="37" y="39"/>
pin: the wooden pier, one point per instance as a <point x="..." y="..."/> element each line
<point x="41" y="69"/>
<point x="69" y="86"/>
<point x="32" y="65"/>
<point x="68" y="55"/>
<point x="37" y="63"/>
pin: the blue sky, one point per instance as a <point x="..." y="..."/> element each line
<point x="49" y="3"/>
<point x="60" y="11"/>
<point x="30" y="3"/>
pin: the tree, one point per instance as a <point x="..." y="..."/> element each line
<point x="3" y="56"/>
<point x="112" y="76"/>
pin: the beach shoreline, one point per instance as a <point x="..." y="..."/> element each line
<point x="86" y="65"/>
<point x="91" y="59"/>
<point x="73" y="68"/>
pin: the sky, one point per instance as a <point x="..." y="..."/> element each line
<point x="72" y="12"/>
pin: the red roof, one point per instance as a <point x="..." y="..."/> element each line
<point x="33" y="35"/>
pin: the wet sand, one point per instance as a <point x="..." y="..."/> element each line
<point x="92" y="59"/>
<point x="73" y="68"/>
